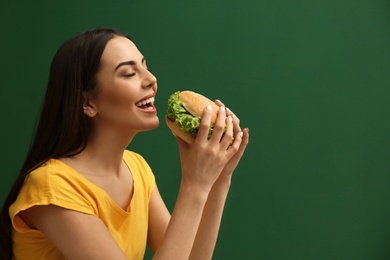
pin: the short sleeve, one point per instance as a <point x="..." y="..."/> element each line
<point x="51" y="185"/>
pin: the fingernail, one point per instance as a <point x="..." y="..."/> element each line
<point x="230" y="118"/>
<point x="241" y="134"/>
<point x="222" y="109"/>
<point x="208" y="107"/>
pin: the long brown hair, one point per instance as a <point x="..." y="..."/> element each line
<point x="62" y="129"/>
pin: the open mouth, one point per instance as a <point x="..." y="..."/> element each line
<point x="146" y="104"/>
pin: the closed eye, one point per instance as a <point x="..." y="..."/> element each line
<point x="129" y="75"/>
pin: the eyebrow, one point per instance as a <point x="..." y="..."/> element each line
<point x="129" y="62"/>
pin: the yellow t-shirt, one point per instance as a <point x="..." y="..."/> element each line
<point x="58" y="184"/>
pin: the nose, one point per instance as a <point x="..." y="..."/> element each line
<point x="149" y="80"/>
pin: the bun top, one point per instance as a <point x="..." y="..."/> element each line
<point x="195" y="104"/>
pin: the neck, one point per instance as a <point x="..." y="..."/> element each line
<point x="103" y="154"/>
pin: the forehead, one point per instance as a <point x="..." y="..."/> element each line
<point x="120" y="49"/>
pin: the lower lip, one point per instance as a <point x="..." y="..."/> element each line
<point x="151" y="110"/>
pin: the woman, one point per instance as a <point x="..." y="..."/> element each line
<point x="81" y="195"/>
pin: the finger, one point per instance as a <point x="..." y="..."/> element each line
<point x="236" y="125"/>
<point x="219" y="126"/>
<point x="219" y="103"/>
<point x="228" y="135"/>
<point x="204" y="125"/>
<point x="245" y="140"/>
<point x="229" y="112"/>
<point x="235" y="147"/>
<point x="235" y="118"/>
<point x="244" y="136"/>
<point x="233" y="115"/>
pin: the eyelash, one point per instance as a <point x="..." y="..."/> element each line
<point x="129" y="75"/>
<point x="133" y="74"/>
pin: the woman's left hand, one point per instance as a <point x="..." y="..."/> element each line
<point x="233" y="162"/>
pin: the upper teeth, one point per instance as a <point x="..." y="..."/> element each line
<point x="144" y="102"/>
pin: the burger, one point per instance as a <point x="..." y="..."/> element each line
<point x="184" y="114"/>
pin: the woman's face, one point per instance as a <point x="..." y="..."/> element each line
<point x="126" y="90"/>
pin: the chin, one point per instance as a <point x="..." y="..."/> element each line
<point x="153" y="125"/>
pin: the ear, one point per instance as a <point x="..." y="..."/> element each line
<point x="88" y="106"/>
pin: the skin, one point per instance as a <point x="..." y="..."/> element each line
<point x="207" y="167"/>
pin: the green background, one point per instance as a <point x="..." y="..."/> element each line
<point x="309" y="78"/>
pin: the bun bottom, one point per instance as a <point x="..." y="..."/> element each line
<point x="176" y="130"/>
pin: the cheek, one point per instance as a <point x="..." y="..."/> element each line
<point x="116" y="98"/>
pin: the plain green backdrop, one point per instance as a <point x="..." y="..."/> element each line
<point x="309" y="78"/>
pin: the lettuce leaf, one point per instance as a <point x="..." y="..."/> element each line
<point x="178" y="114"/>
